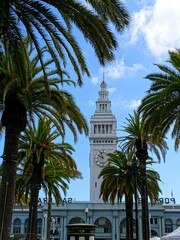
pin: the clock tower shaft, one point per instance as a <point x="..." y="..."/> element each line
<point x="102" y="138"/>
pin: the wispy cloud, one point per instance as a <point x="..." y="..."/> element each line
<point x="120" y="102"/>
<point x="118" y="69"/>
<point x="157" y="25"/>
<point x="95" y="80"/>
<point x="132" y="104"/>
<point x="112" y="90"/>
<point x="91" y="103"/>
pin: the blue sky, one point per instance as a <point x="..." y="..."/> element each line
<point x="154" y="29"/>
<point x="152" y="32"/>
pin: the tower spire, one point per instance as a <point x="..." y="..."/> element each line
<point x="103" y="76"/>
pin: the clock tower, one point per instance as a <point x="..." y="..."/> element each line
<point x="102" y="139"/>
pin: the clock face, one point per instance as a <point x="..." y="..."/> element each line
<point x="101" y="158"/>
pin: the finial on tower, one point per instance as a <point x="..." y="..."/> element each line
<point x="103" y="84"/>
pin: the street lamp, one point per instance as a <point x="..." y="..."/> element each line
<point x="86" y="212"/>
<point x="59" y="231"/>
<point x="53" y="225"/>
<point x="44" y="230"/>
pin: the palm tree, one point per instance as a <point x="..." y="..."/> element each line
<point x="37" y="144"/>
<point x="57" y="178"/>
<point x="54" y="183"/>
<point x="24" y="94"/>
<point x="139" y="140"/>
<point x="161" y="106"/>
<point x="52" y="23"/>
<point x="119" y="181"/>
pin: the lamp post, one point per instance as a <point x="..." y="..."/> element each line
<point x="53" y="225"/>
<point x="86" y="212"/>
<point x="44" y="233"/>
<point x="59" y="231"/>
<point x="135" y="171"/>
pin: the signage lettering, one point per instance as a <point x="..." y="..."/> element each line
<point x="167" y="200"/>
<point x="65" y="200"/>
<point x="161" y="201"/>
<point x="164" y="201"/>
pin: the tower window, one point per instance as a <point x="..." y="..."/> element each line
<point x="103" y="129"/>
<point x="106" y="128"/>
<point x="100" y="105"/>
<point x="111" y="128"/>
<point x="99" y="129"/>
<point x="95" y="128"/>
<point x="105" y="105"/>
<point x="95" y="184"/>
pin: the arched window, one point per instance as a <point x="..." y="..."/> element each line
<point x="39" y="226"/>
<point x="123" y="227"/>
<point x="26" y="226"/>
<point x="55" y="233"/>
<point x="17" y="226"/>
<point x="178" y="223"/>
<point x="153" y="233"/>
<point x="168" y="226"/>
<point x="103" y="225"/>
<point x="76" y="220"/>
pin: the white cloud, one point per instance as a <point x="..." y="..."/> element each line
<point x="95" y="80"/>
<point x="112" y="90"/>
<point x="117" y="69"/>
<point x="132" y="104"/>
<point x="158" y="25"/>
<point x="120" y="102"/>
<point x="91" y="102"/>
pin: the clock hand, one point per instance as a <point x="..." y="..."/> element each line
<point x="101" y="155"/>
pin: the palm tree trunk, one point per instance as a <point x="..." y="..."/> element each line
<point x="33" y="206"/>
<point x="144" y="202"/>
<point x="142" y="155"/>
<point x="8" y="180"/>
<point x="36" y="180"/>
<point x="129" y="217"/>
<point x="49" y="214"/>
<point x="144" y="199"/>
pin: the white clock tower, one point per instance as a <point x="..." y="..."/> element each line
<point x="102" y="139"/>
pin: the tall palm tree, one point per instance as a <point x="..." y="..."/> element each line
<point x="52" y="23"/>
<point x="37" y="144"/>
<point x="24" y="94"/>
<point x="57" y="178"/>
<point x="54" y="183"/>
<point x="139" y="140"/>
<point x="119" y="181"/>
<point x="161" y="106"/>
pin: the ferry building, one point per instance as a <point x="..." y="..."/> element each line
<point x="110" y="219"/>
